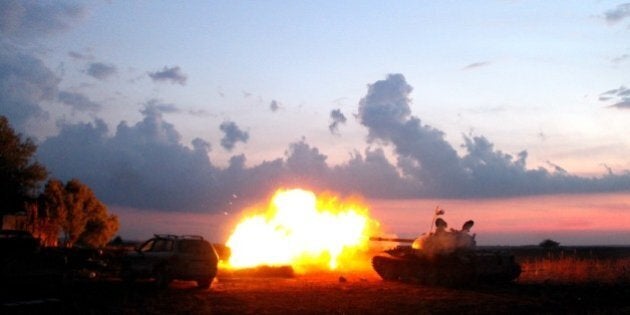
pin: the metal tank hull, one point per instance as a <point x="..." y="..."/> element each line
<point x="460" y="268"/>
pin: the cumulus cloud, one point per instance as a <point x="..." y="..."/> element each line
<point x="385" y="111"/>
<point x="30" y="18"/>
<point x="620" y="97"/>
<point x="100" y="70"/>
<point x="436" y="168"/>
<point x="78" y="102"/>
<point x="618" y="14"/>
<point x="143" y="165"/>
<point x="336" y="118"/>
<point x="25" y="82"/>
<point x="173" y="75"/>
<point x="232" y="134"/>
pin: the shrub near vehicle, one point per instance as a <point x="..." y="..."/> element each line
<point x="170" y="257"/>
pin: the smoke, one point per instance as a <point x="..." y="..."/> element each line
<point x="173" y="75"/>
<point x="232" y="135"/>
<point x="336" y="118"/>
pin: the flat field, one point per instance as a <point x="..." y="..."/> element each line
<point x="565" y="280"/>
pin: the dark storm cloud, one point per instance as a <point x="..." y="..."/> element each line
<point x="27" y="19"/>
<point x="274" y="106"/>
<point x="100" y="70"/>
<point x="620" y="97"/>
<point x="78" y="102"/>
<point x="143" y="165"/>
<point x="232" y="134"/>
<point x="173" y="75"/>
<point x="25" y="82"/>
<point x="336" y="118"/>
<point x="618" y="14"/>
<point x="372" y="175"/>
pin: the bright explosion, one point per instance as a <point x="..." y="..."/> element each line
<point x="305" y="231"/>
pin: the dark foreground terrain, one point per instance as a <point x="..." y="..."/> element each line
<point x="356" y="294"/>
<point x="556" y="281"/>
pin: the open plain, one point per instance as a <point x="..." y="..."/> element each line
<point x="560" y="281"/>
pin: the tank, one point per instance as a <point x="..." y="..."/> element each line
<point x="461" y="267"/>
<point x="445" y="257"/>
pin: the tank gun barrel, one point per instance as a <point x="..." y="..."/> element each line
<point x="389" y="239"/>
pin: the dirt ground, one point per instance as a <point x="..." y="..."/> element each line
<point x="318" y="294"/>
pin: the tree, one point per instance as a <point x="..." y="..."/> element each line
<point x="549" y="243"/>
<point x="20" y="175"/>
<point x="79" y="214"/>
<point x="52" y="212"/>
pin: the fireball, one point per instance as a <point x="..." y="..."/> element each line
<point x="305" y="231"/>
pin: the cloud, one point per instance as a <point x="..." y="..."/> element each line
<point x="232" y="135"/>
<point x="78" y="102"/>
<point x="336" y="118"/>
<point x="142" y="166"/>
<point x="620" y="59"/>
<point x="437" y="170"/>
<point x="617" y="14"/>
<point x="173" y="74"/>
<point x="145" y="165"/>
<point x="476" y="65"/>
<point x="28" y="19"/>
<point x="620" y="97"/>
<point x="25" y="82"/>
<point x="159" y="106"/>
<point x="274" y="106"/>
<point x="101" y="70"/>
<point x="386" y="113"/>
<point x="79" y="56"/>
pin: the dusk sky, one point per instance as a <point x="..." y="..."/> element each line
<point x="203" y="106"/>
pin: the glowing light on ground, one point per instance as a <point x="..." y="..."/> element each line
<point x="305" y="231"/>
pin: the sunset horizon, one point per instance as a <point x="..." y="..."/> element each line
<point x="510" y="114"/>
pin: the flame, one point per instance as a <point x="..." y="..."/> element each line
<point x="303" y="230"/>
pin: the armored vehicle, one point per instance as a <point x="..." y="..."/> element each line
<point x="445" y="257"/>
<point x="459" y="268"/>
